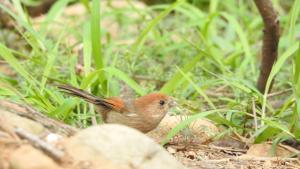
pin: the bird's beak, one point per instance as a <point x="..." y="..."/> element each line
<point x="172" y="102"/>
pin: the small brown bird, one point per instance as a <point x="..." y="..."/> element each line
<point x="143" y="113"/>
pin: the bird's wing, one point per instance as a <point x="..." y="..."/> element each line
<point x="130" y="108"/>
<point x="115" y="103"/>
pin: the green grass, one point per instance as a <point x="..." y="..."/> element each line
<point x="207" y="55"/>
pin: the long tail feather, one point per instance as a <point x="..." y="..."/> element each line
<point x="84" y="95"/>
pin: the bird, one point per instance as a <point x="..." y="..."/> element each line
<point x="143" y="113"/>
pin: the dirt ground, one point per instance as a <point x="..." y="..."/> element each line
<point x="211" y="157"/>
<point x="225" y="153"/>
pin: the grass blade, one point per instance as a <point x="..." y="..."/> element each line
<point x="14" y="63"/>
<point x="86" y="4"/>
<point x="116" y="73"/>
<point x="243" y="38"/>
<point x="20" y="11"/>
<point x="139" y="41"/>
<point x="175" y="81"/>
<point x="129" y="81"/>
<point x="55" y="11"/>
<point x="276" y="67"/>
<point x="293" y="19"/>
<point x="297" y="71"/>
<point x="276" y="124"/>
<point x="96" y="35"/>
<point x="87" y="50"/>
<point x="198" y="89"/>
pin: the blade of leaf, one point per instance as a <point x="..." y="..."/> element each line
<point x="129" y="81"/>
<point x="175" y="81"/>
<point x="198" y="89"/>
<point x="13" y="62"/>
<point x="139" y="41"/>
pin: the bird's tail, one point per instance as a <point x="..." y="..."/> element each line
<point x="81" y="94"/>
<point x="104" y="103"/>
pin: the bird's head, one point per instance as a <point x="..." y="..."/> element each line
<point x="155" y="105"/>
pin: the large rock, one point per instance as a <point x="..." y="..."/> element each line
<point x="24" y="123"/>
<point x="198" y="132"/>
<point x="26" y="157"/>
<point x="122" y="145"/>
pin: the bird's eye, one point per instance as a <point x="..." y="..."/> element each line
<point x="162" y="102"/>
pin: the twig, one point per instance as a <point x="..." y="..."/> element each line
<point x="270" y="41"/>
<point x="35" y="141"/>
<point x="228" y="149"/>
<point x="266" y="158"/>
<point x="241" y="138"/>
<point x="252" y="158"/>
<point x="289" y="148"/>
<point x="280" y="92"/>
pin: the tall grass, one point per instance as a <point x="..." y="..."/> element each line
<point x="206" y="55"/>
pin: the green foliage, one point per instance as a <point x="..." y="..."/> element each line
<point x="296" y="84"/>
<point x="177" y="78"/>
<point x="95" y="34"/>
<point x="205" y="53"/>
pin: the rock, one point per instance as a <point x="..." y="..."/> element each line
<point x="5" y="150"/>
<point x="265" y="150"/>
<point x="26" y="157"/>
<point x="199" y="131"/>
<point x="122" y="145"/>
<point x="85" y="156"/>
<point x="24" y="123"/>
<point x="171" y="150"/>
